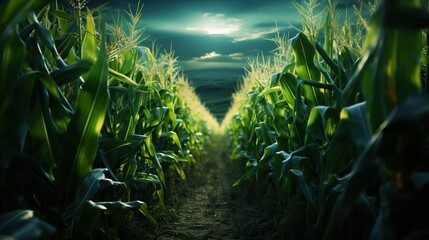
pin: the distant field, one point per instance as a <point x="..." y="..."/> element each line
<point x="215" y="87"/>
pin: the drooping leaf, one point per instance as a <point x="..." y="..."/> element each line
<point x="70" y="73"/>
<point x="89" y="218"/>
<point x="130" y="205"/>
<point x="87" y="189"/>
<point x="307" y="191"/>
<point x="24" y="224"/>
<point x="171" y="158"/>
<point x="121" y="77"/>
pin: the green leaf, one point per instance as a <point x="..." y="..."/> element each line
<point x="24" y="224"/>
<point x="304" y="53"/>
<point x="282" y="163"/>
<point x="292" y="160"/>
<point x="150" y="150"/>
<point x="30" y="172"/>
<point x="14" y="11"/>
<point x="358" y="124"/>
<point x="47" y="39"/>
<point x="88" y="49"/>
<point x="129" y="205"/>
<point x="83" y="132"/>
<point x="170" y="158"/>
<point x="89" y="218"/>
<point x="44" y="131"/>
<point x="12" y="53"/>
<point x="322" y="122"/>
<point x="121" y="77"/>
<point x="61" y="14"/>
<point x="142" y="177"/>
<point x="308" y="191"/>
<point x="288" y="84"/>
<point x="173" y="136"/>
<point x="15" y="122"/>
<point x="68" y="40"/>
<point x="71" y="73"/>
<point x="246" y="176"/>
<point x="352" y="128"/>
<point x="393" y="74"/>
<point x="120" y="205"/>
<point x="336" y="68"/>
<point x="87" y="190"/>
<point x="130" y="169"/>
<point x="145" y="211"/>
<point x="388" y="149"/>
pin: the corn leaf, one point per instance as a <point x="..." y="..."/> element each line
<point x="151" y="152"/>
<point x="12" y="53"/>
<point x="24" y="224"/>
<point x="89" y="187"/>
<point x="89" y="43"/>
<point x="31" y="173"/>
<point x="15" y="122"/>
<point x="173" y="160"/>
<point x="121" y="77"/>
<point x="129" y="205"/>
<point x="394" y="73"/>
<point x="14" y="11"/>
<point x="322" y="122"/>
<point x="305" y="68"/>
<point x="352" y="127"/>
<point x="89" y="218"/>
<point x="83" y="132"/>
<point x="307" y="191"/>
<point x="288" y="84"/>
<point x="70" y="73"/>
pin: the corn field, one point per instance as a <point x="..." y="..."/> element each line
<point x="331" y="129"/>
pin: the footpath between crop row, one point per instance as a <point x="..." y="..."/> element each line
<point x="206" y="206"/>
<point x="203" y="206"/>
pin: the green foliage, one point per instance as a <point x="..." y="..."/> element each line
<point x="92" y="131"/>
<point x="333" y="128"/>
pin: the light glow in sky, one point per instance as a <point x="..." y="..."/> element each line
<point x="216" y="23"/>
<point x="217" y="33"/>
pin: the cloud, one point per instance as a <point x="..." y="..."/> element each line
<point x="236" y="56"/>
<point x="262" y="34"/>
<point x="217" y="57"/>
<point x="215" y="24"/>
<point x="208" y="56"/>
<point x="213" y="15"/>
<point x="254" y="35"/>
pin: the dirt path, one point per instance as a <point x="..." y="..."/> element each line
<point x="204" y="207"/>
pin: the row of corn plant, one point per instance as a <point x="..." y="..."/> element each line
<point x="342" y="124"/>
<point x="92" y="123"/>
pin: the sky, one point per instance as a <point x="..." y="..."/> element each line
<point x="214" y="34"/>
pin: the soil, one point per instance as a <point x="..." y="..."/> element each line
<point x="204" y="207"/>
